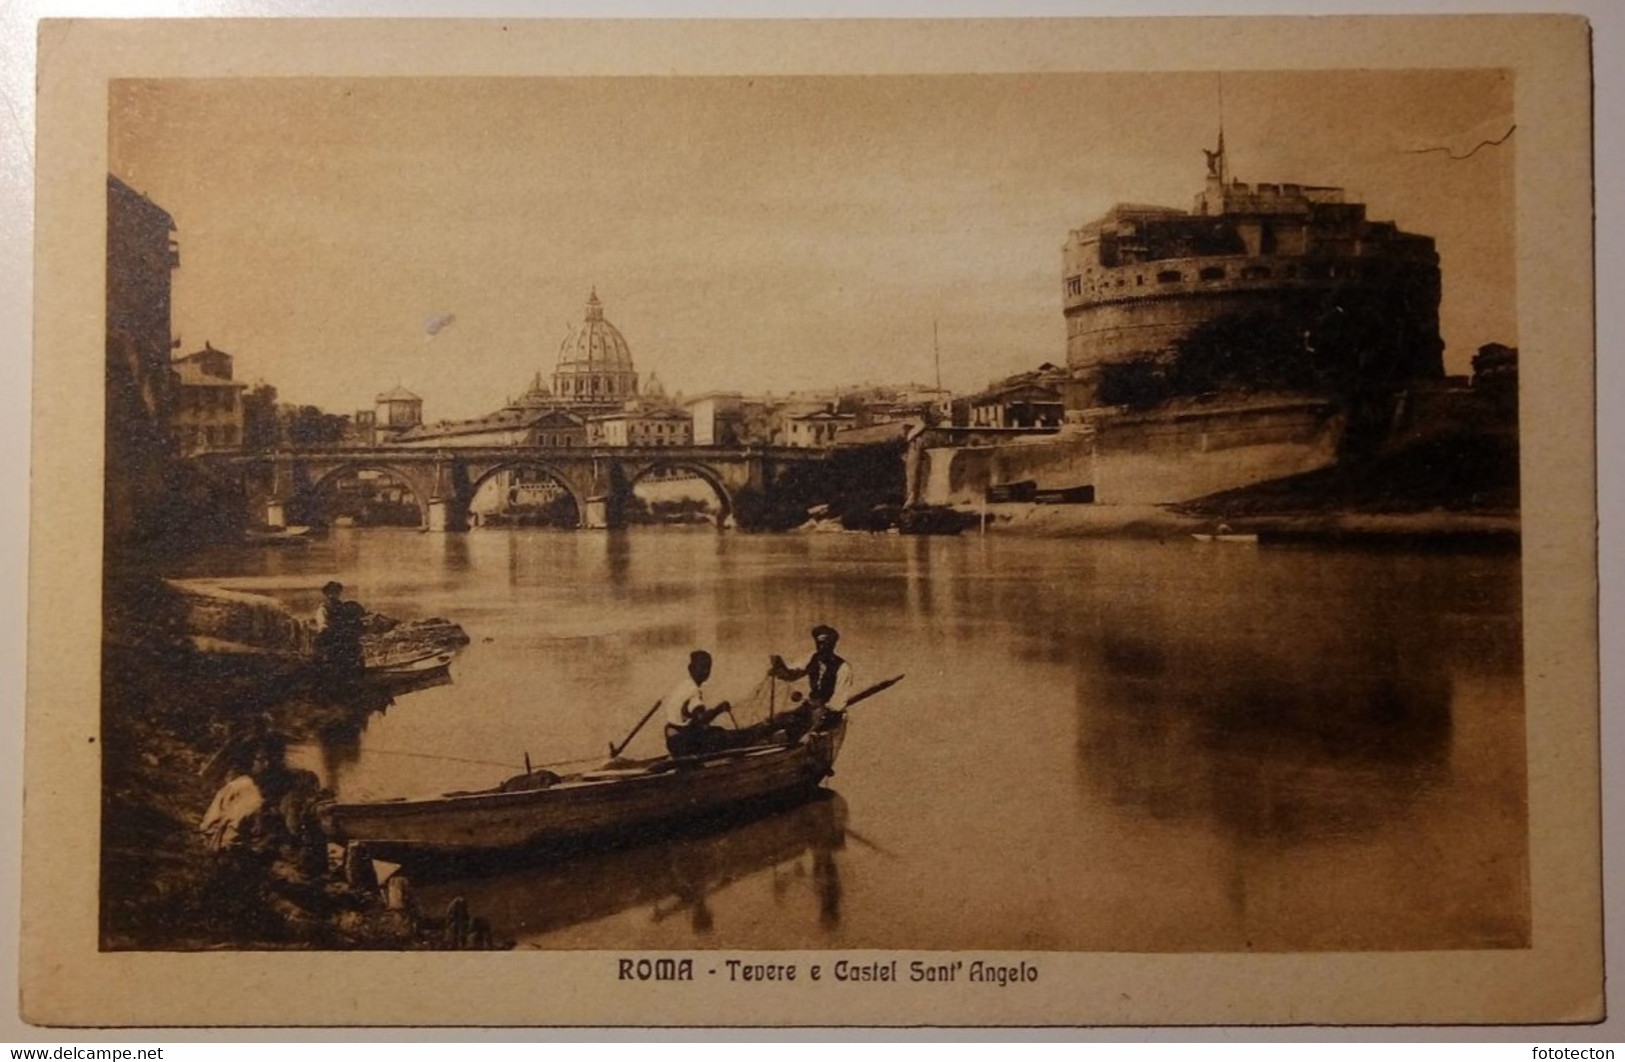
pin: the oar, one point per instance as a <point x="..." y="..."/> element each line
<point x="879" y="687"/>
<point x="861" y="839"/>
<point x="616" y="750"/>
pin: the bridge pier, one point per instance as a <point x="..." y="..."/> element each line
<point x="447" y="514"/>
<point x="604" y="512"/>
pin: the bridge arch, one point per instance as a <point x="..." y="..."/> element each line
<point x="322" y="486"/>
<point x="533" y="464"/>
<point x="710" y="476"/>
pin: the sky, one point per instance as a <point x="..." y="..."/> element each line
<point x="343" y="236"/>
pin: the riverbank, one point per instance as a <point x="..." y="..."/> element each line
<point x="168" y="711"/>
<point x="1456" y="492"/>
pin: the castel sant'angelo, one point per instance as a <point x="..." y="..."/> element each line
<point x="1269" y="331"/>
<point x="1141" y="279"/>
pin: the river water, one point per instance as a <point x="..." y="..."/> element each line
<point x="1100" y="745"/>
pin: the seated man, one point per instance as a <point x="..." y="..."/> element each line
<point x="338" y="634"/>
<point x="688" y="720"/>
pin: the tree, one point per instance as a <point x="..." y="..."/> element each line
<point x="1138" y="383"/>
<point x="309" y="426"/>
<point x="261" y="430"/>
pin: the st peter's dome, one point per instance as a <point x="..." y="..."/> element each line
<point x="595" y="364"/>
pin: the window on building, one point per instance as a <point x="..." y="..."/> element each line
<point x="1212" y="273"/>
<point x="1170" y="276"/>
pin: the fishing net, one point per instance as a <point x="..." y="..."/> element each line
<point x="769" y="697"/>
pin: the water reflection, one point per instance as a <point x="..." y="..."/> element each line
<point x="790" y="855"/>
<point x="1100" y="745"/>
<point x="1260" y="765"/>
<point x="454" y="553"/>
<point x="618" y="550"/>
<point x="1288" y="715"/>
<point x="330" y="720"/>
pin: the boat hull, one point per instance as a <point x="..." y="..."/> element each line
<point x="595" y="804"/>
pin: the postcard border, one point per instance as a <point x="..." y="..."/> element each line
<point x="65" y="980"/>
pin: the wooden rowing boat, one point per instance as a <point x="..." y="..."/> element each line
<point x="541" y="809"/>
<point x="406" y="665"/>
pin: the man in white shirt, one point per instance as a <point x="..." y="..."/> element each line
<point x="688" y="719"/>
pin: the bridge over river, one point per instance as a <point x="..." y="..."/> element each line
<point x="445" y="480"/>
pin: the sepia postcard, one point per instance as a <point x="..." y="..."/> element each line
<point x="957" y="523"/>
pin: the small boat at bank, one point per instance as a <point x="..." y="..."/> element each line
<point x="541" y="809"/>
<point x="1226" y="533"/>
<point x="280" y="536"/>
<point x="400" y="676"/>
<point x="413" y="654"/>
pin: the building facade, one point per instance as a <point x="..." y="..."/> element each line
<point x="717" y="417"/>
<point x="397" y="411"/>
<point x="508" y="427"/>
<point x="1019" y="405"/>
<point x="1140" y="279"/>
<point x="206" y="414"/>
<point x="141" y="257"/>
<point x="636" y="426"/>
<point x="816" y="429"/>
<point x="933" y="405"/>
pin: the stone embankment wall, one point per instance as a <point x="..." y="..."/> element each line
<point x="960" y="475"/>
<point x="225" y="618"/>
<point x="1146" y="459"/>
<point x="1172" y="457"/>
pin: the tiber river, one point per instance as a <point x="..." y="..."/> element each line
<point x="1099" y="745"/>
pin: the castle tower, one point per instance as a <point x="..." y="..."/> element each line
<point x="1288" y="259"/>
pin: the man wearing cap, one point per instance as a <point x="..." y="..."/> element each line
<point x="829" y="678"/>
<point x="688" y="720"/>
